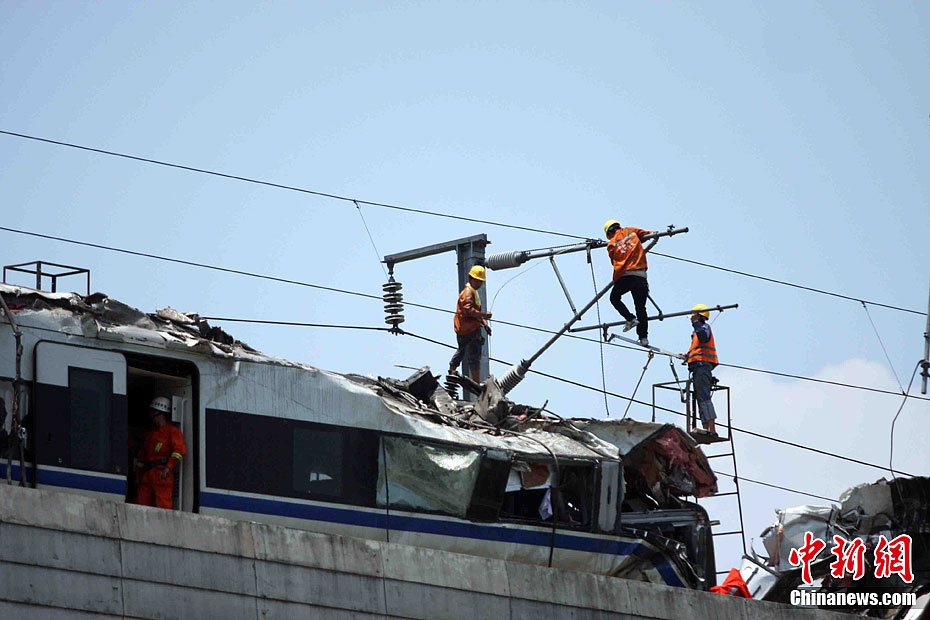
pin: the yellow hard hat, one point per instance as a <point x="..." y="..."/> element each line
<point x="702" y="310"/>
<point x="477" y="272"/>
<point x="609" y="224"/>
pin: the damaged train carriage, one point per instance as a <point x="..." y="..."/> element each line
<point x="275" y="441"/>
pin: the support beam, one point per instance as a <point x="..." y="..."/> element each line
<point x="469" y="251"/>
<point x="507" y="260"/>
<point x="430" y="250"/>
<point x="658" y="317"/>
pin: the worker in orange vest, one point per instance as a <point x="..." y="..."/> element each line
<point x="162" y="452"/>
<point x="625" y="248"/>
<point x="702" y="359"/>
<point x="469" y="319"/>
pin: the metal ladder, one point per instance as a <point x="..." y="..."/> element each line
<point x="688" y="398"/>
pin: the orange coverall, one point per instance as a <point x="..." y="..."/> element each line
<point x="163" y="449"/>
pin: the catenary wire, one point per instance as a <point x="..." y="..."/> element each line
<point x="895" y="419"/>
<point x="333" y="289"/>
<point x="775" y="486"/>
<point x="884" y="350"/>
<point x="386" y="329"/>
<point x="785" y="283"/>
<point x="292" y="188"/>
<point x="370" y="238"/>
<point x="575" y="383"/>
<point x="672" y="411"/>
<point x="433" y="213"/>
<point x="416" y="305"/>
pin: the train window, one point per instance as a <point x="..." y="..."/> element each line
<point x="529" y="497"/>
<point x="489" y="489"/>
<point x="425" y="476"/>
<point x="527" y="492"/>
<point x="576" y="495"/>
<point x="321" y="461"/>
<point x="91" y="414"/>
<point x="317" y="462"/>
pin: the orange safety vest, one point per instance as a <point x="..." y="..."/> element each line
<point x="702" y="351"/>
<point x="626" y="251"/>
<point x="466" y="311"/>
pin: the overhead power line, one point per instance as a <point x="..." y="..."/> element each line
<point x="678" y="413"/>
<point x="415" y="305"/>
<point x="428" y="212"/>
<point x="775" y="486"/>
<point x="387" y="329"/>
<point x="785" y="283"/>
<point x="292" y="188"/>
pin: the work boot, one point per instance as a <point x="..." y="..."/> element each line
<point x="630" y="325"/>
<point x="644" y="341"/>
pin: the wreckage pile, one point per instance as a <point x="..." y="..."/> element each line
<point x="661" y="462"/>
<point x="866" y="512"/>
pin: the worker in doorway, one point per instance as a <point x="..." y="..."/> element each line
<point x="702" y="359"/>
<point x="469" y="319"/>
<point x="625" y="247"/>
<point x="162" y="452"/>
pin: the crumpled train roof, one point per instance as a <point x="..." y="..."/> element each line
<point x="99" y="316"/>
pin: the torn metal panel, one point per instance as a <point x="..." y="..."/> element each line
<point x="788" y="531"/>
<point x="759" y="579"/>
<point x="667" y="458"/>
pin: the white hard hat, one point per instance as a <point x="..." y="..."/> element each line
<point x="160" y="404"/>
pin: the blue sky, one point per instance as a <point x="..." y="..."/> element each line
<point x="793" y="139"/>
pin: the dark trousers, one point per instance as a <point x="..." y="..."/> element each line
<point x="639" y="287"/>
<point x="469" y="350"/>
<point x="702" y="378"/>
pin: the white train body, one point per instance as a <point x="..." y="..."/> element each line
<point x="273" y="441"/>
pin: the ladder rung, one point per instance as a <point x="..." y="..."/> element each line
<point x="717" y="456"/>
<point x="728" y="533"/>
<point x="722" y="494"/>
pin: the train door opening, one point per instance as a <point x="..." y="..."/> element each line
<point x="147" y="379"/>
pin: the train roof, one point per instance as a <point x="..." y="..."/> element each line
<point x="524" y="429"/>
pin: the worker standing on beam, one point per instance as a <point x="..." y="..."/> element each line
<point x="625" y="248"/>
<point x="469" y="319"/>
<point x="702" y="359"/>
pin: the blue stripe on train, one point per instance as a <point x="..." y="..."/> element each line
<point x="437" y="526"/>
<point x="70" y="480"/>
<point x="350" y="516"/>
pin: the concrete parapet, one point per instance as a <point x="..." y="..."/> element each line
<point x="69" y="556"/>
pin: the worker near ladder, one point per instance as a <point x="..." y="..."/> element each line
<point x="469" y="319"/>
<point x="702" y="359"/>
<point x="625" y="247"/>
<point x="162" y="453"/>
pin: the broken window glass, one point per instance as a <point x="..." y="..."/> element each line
<point x="489" y="489"/>
<point x="425" y="476"/>
<point x="529" y="495"/>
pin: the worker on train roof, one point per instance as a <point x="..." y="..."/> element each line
<point x="469" y="319"/>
